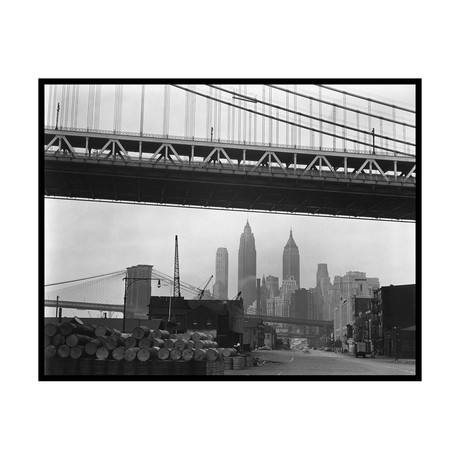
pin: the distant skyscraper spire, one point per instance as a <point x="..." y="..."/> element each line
<point x="247" y="266"/>
<point x="291" y="260"/>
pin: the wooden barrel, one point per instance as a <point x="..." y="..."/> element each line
<point x="175" y="354"/>
<point x="102" y="331"/>
<point x="200" y="354"/>
<point x="119" y="353"/>
<point x="249" y="361"/>
<point x="187" y="336"/>
<point x="51" y="329"/>
<point x="213" y="354"/>
<point x="102" y="353"/>
<point x="130" y="354"/>
<point x="92" y="346"/>
<point x="199" y="336"/>
<point x="99" y="366"/>
<point x="64" y="351"/>
<point x="227" y="352"/>
<point x="141" y="332"/>
<point x="160" y="343"/>
<point x="204" y="344"/>
<point x="239" y="362"/>
<point x="58" y="340"/>
<point x="188" y="354"/>
<point x="146" y="342"/>
<point x="170" y="343"/>
<point x="77" y="351"/>
<point x="68" y="327"/>
<point x="85" y="366"/>
<point x="159" y="334"/>
<point x="228" y="363"/>
<point x="131" y="342"/>
<point x="181" y="344"/>
<point x="76" y="339"/>
<point x="50" y="352"/>
<point x="113" y="342"/>
<point x="146" y="354"/>
<point x="114" y="367"/>
<point x="163" y="354"/>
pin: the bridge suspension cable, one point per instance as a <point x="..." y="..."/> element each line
<point x="319" y="119"/>
<point x="88" y="278"/>
<point x="277" y="119"/>
<point x="368" y="99"/>
<point x="349" y="109"/>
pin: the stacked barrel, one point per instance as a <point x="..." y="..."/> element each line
<point x="73" y="348"/>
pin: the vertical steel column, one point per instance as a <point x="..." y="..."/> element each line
<point x="166" y="103"/>
<point x="141" y="127"/>
<point x="270" y="123"/>
<point x="333" y="126"/>
<point x="369" y="123"/>
<point x="97" y="107"/>
<point x="263" y="111"/>
<point x="296" y="119"/>
<point x="357" y="133"/>
<point x="394" y="129"/>
<point x="244" y="159"/>
<point x="312" y="133"/>
<point x="245" y="104"/>
<point x="286" y="140"/>
<point x="344" y="131"/>
<point x="48" y="109"/>
<point x="345" y="166"/>
<point x="140" y="151"/>
<point x="239" y="115"/>
<point x="86" y="147"/>
<point x="320" y="116"/>
<point x="395" y="170"/>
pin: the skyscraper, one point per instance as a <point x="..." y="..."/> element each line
<point x="323" y="287"/>
<point x="291" y="261"/>
<point x="220" y="289"/>
<point x="247" y="266"/>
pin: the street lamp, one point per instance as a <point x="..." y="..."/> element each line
<point x="129" y="282"/>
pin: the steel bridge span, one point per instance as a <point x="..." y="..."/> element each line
<point x="127" y="167"/>
<point x="119" y="309"/>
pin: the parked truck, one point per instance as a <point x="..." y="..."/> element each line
<point x="362" y="348"/>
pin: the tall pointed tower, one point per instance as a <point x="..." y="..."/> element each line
<point x="247" y="267"/>
<point x="291" y="260"/>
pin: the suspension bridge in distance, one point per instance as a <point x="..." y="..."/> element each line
<point x="245" y="167"/>
<point x="102" y="292"/>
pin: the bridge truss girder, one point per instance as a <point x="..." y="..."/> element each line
<point x="283" y="179"/>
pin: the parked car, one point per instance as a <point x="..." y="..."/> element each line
<point x="265" y="347"/>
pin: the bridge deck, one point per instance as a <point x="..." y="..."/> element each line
<point x="199" y="173"/>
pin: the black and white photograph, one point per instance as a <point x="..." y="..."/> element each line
<point x="230" y="229"/>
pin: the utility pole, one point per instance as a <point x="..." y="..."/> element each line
<point x="373" y="141"/>
<point x="57" y="115"/>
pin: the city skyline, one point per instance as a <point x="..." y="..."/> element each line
<point x="96" y="238"/>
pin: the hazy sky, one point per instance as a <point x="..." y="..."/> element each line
<point x="91" y="238"/>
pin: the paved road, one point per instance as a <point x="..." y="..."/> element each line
<point x="315" y="362"/>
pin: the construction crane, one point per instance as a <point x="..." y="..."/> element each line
<point x="200" y="296"/>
